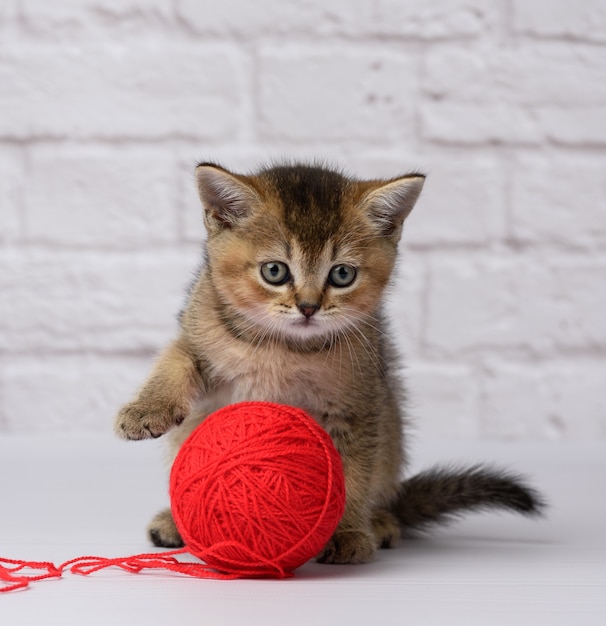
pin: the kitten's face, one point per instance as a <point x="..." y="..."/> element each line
<point x="269" y="277"/>
<point x="298" y="253"/>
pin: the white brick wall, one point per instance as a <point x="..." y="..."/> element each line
<point x="106" y="105"/>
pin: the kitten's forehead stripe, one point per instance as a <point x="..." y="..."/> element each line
<point x="311" y="199"/>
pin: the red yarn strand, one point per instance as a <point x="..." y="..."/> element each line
<point x="85" y="565"/>
<point x="9" y="568"/>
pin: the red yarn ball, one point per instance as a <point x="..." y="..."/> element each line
<point x="257" y="489"/>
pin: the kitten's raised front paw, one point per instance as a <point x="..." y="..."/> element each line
<point x="139" y="420"/>
<point x="163" y="532"/>
<point x="348" y="547"/>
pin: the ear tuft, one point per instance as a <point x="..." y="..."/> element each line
<point x="389" y="203"/>
<point x="227" y="198"/>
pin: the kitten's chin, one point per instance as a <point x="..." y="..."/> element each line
<point x="305" y="329"/>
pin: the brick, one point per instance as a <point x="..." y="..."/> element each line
<point x="517" y="305"/>
<point x="513" y="405"/>
<point x="544" y="401"/>
<point x="526" y="75"/>
<point x="11" y="183"/>
<point x="438" y="19"/>
<point x="462" y="203"/>
<point x="271" y="17"/>
<point x="398" y="18"/>
<point x="404" y="305"/>
<point x="82" y="14"/>
<point x="442" y="402"/>
<point x="77" y="301"/>
<point x="508" y="95"/>
<point x="585" y="21"/>
<point x="190" y="218"/>
<point x="470" y="123"/>
<point x="335" y="94"/>
<point x="66" y="393"/>
<point x="143" y="90"/>
<point x="8" y="11"/>
<point x="582" y="126"/>
<point x="558" y="199"/>
<point x="98" y="20"/>
<point x="97" y="196"/>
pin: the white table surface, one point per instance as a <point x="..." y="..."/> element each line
<point x="69" y="496"/>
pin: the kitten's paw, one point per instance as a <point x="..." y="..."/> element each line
<point x="385" y="528"/>
<point x="348" y="547"/>
<point x="139" y="420"/>
<point x="163" y="532"/>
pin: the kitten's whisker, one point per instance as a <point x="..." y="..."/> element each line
<point x="365" y="342"/>
<point x="333" y="347"/>
<point x="352" y="353"/>
<point x="370" y="350"/>
<point x="364" y="319"/>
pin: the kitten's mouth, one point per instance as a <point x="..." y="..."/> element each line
<point x="305" y="321"/>
<point x="306" y="327"/>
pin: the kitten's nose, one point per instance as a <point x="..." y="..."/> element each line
<point x="308" y="309"/>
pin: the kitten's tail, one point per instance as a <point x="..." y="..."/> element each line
<point x="439" y="495"/>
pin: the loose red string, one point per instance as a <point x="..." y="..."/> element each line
<point x="12" y="570"/>
<point x="9" y="569"/>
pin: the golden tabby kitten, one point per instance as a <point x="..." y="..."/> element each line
<point x="287" y="308"/>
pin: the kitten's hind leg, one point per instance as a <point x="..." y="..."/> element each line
<point x="354" y="540"/>
<point x="163" y="532"/>
<point x="348" y="546"/>
<point x="386" y="528"/>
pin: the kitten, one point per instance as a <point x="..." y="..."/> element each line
<point x="287" y="308"/>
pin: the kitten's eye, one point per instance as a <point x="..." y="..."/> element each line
<point x="342" y="275"/>
<point x="275" y="273"/>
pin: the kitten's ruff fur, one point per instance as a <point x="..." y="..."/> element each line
<point x="287" y="308"/>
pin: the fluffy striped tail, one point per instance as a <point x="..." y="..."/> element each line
<point x="439" y="495"/>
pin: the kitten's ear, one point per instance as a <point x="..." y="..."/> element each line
<point x="226" y="197"/>
<point x="389" y="203"/>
